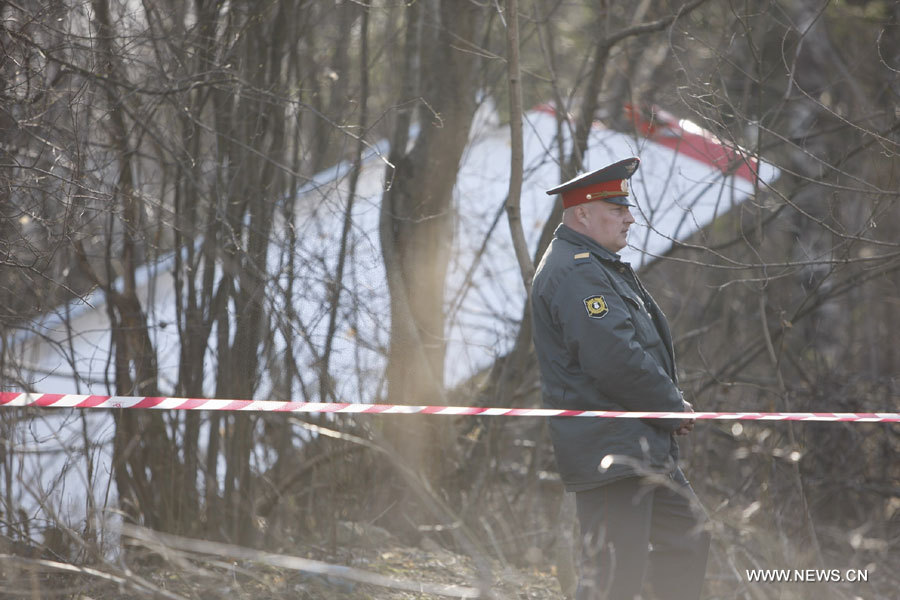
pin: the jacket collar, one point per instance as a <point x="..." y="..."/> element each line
<point x="564" y="232"/>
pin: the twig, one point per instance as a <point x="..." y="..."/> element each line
<point x="131" y="581"/>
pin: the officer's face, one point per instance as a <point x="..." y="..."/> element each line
<point x="607" y="224"/>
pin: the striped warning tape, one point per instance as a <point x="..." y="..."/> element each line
<point x="169" y="403"/>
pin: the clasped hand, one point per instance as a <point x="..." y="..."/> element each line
<point x="688" y="424"/>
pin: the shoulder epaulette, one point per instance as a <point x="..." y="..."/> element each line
<point x="581" y="257"/>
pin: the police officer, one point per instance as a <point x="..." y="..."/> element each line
<point x="603" y="344"/>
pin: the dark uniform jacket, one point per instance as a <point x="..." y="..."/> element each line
<point x="602" y="344"/>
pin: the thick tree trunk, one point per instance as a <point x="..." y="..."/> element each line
<point x="417" y="221"/>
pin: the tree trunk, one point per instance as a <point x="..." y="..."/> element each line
<point x="417" y="220"/>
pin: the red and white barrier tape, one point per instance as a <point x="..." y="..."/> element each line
<point x="167" y="403"/>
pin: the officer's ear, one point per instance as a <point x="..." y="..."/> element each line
<point x="581" y="215"/>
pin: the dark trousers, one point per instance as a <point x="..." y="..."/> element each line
<point x="637" y="528"/>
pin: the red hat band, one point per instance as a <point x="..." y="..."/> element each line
<point x="597" y="191"/>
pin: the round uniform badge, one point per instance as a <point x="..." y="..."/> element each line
<point x="596" y="306"/>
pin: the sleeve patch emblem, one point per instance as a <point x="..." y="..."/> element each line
<point x="596" y="307"/>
